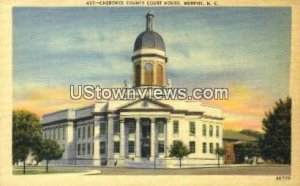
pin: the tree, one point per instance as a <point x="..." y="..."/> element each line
<point x="49" y="150"/>
<point x="275" y="145"/>
<point x="179" y="150"/>
<point x="219" y="153"/>
<point x="26" y="135"/>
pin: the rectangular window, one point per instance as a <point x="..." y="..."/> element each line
<point x="192" y="128"/>
<point x="116" y="127"/>
<point x="204" y="148"/>
<point x="92" y="149"/>
<point x="78" y="132"/>
<point x="88" y="148"/>
<point x="217" y="145"/>
<point x="93" y="132"/>
<point x="131" y="128"/>
<point x="83" y="132"/>
<point x="175" y="127"/>
<point x="54" y="136"/>
<point x="58" y="133"/>
<point x="192" y="147"/>
<point x="217" y="131"/>
<point x="131" y="147"/>
<point x="64" y="133"/>
<point x="83" y="149"/>
<point x="102" y="147"/>
<point x="211" y="148"/>
<point x="78" y="149"/>
<point x="211" y="130"/>
<point x="161" y="128"/>
<point x="89" y="131"/>
<point x="102" y="128"/>
<point x="204" y="130"/>
<point x="63" y="147"/>
<point x="116" y="147"/>
<point x="161" y="146"/>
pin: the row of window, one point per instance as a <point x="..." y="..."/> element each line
<point x="57" y="133"/>
<point x="88" y="148"/>
<point x="192" y="129"/>
<point x="85" y="132"/>
<point x="85" y="149"/>
<point x="131" y="147"/>
<point x="192" y="147"/>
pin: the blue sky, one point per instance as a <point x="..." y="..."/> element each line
<point x="243" y="49"/>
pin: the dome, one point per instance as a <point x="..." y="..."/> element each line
<point x="149" y="39"/>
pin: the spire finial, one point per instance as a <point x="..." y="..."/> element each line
<point x="149" y="19"/>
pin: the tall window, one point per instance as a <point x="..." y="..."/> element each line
<point x="161" y="127"/>
<point x="160" y="75"/>
<point x="116" y="127"/>
<point x="217" y="131"/>
<point x="137" y="75"/>
<point x="78" y="132"/>
<point x="78" y="149"/>
<point x="161" y="146"/>
<point x="211" y="130"/>
<point x="204" y="130"/>
<point x="102" y="128"/>
<point x="116" y="147"/>
<point x="204" y="148"/>
<point x="102" y="147"/>
<point x="192" y="147"/>
<point x="175" y="127"/>
<point x="83" y="149"/>
<point x="89" y="131"/>
<point x="131" y="127"/>
<point x="131" y="147"/>
<point x="88" y="148"/>
<point x="64" y="133"/>
<point x="211" y="148"/>
<point x="58" y="133"/>
<point x="84" y="132"/>
<point x="54" y="134"/>
<point x="217" y="145"/>
<point x="192" y="128"/>
<point x="148" y="74"/>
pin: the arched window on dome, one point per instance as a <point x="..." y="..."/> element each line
<point x="160" y="75"/>
<point x="137" y="75"/>
<point x="148" y="68"/>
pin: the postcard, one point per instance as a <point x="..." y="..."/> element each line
<point x="126" y="92"/>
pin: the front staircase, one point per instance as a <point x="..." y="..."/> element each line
<point x="145" y="163"/>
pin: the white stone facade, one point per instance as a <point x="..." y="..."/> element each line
<point x="136" y="133"/>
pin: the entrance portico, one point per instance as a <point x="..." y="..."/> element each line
<point x="144" y="132"/>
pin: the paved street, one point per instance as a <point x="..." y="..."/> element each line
<point x="253" y="170"/>
<point x="228" y="170"/>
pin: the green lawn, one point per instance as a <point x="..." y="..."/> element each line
<point x="41" y="170"/>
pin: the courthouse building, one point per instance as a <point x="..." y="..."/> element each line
<point x="138" y="133"/>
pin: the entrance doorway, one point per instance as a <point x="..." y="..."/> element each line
<point x="145" y="138"/>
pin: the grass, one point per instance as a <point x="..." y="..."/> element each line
<point x="42" y="170"/>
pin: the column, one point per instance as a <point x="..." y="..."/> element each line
<point x="110" y="142"/>
<point x="122" y="139"/>
<point x="153" y="139"/>
<point x="70" y="149"/>
<point x="137" y="138"/>
<point x="96" y="137"/>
